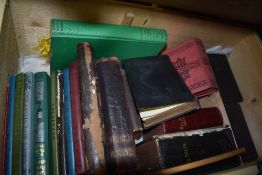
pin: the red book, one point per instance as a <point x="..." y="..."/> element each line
<point x="4" y="130"/>
<point x="78" y="135"/>
<point x="191" y="61"/>
<point x="201" y="118"/>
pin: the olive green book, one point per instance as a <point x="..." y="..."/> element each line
<point x="107" y="40"/>
<point x="54" y="167"/>
<point x="42" y="113"/>
<point x="18" y="125"/>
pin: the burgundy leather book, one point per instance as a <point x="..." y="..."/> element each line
<point x="191" y="61"/>
<point x="78" y="135"/>
<point x="4" y="130"/>
<point x="201" y="118"/>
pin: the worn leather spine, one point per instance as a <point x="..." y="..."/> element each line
<point x="90" y="111"/>
<point x="119" y="142"/>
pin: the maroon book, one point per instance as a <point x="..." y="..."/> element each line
<point x="78" y="135"/>
<point x="191" y="61"/>
<point x="201" y="118"/>
<point x="4" y="130"/>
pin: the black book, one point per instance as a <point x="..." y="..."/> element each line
<point x="170" y="150"/>
<point x="241" y="132"/>
<point x="158" y="90"/>
<point x="227" y="84"/>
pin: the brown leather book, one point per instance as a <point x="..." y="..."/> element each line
<point x="201" y="118"/>
<point x="92" y="125"/>
<point x="78" y="135"/>
<point x="191" y="61"/>
<point x="118" y="137"/>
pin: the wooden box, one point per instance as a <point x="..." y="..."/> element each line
<point x="24" y="23"/>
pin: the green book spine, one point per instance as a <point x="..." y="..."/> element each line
<point x="107" y="40"/>
<point x="54" y="167"/>
<point x="42" y="102"/>
<point x="18" y="125"/>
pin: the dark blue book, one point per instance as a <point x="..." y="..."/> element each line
<point x="29" y="125"/>
<point x="9" y="129"/>
<point x="68" y="124"/>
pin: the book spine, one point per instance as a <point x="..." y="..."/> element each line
<point x="42" y="109"/>
<point x="10" y="124"/>
<point x="18" y="124"/>
<point x="90" y="111"/>
<point x="54" y="167"/>
<point x="68" y="124"/>
<point x="78" y="135"/>
<point x="29" y="124"/>
<point x="61" y="116"/>
<point x="4" y="129"/>
<point x="119" y="142"/>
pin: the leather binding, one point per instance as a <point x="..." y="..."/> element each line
<point x="61" y="129"/>
<point x="42" y="113"/>
<point x="29" y="120"/>
<point x="78" y="135"/>
<point x="241" y="132"/>
<point x="169" y="150"/>
<point x="119" y="142"/>
<point x="158" y="90"/>
<point x="227" y="84"/>
<point x="4" y="132"/>
<point x="17" y="158"/>
<point x="91" y="117"/>
<point x="198" y="119"/>
<point x="9" y="129"/>
<point x="134" y="120"/>
<point x="191" y="61"/>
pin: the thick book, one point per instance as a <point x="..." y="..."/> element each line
<point x="227" y="84"/>
<point x="134" y="120"/>
<point x="241" y="131"/>
<point x="191" y="61"/>
<point x="68" y="124"/>
<point x="10" y="124"/>
<point x="107" y="40"/>
<point x="29" y="125"/>
<point x="54" y="147"/>
<point x="4" y="129"/>
<point x="158" y="90"/>
<point x="42" y="113"/>
<point x="17" y="157"/>
<point x="118" y="137"/>
<point x="169" y="150"/>
<point x="61" y="128"/>
<point x="92" y="125"/>
<point x="77" y="123"/>
<point x="198" y="119"/>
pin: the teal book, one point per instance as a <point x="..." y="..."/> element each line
<point x="18" y="124"/>
<point x="42" y="108"/>
<point x="29" y="125"/>
<point x="54" y="167"/>
<point x="107" y="40"/>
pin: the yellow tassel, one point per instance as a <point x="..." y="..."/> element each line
<point x="44" y="47"/>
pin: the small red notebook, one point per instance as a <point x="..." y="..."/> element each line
<point x="191" y="61"/>
<point x="199" y="119"/>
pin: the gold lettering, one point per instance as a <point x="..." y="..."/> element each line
<point x="186" y="152"/>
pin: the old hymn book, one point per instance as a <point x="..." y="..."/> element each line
<point x="158" y="90"/>
<point x="191" y="61"/>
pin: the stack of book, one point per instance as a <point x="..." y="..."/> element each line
<point x="121" y="107"/>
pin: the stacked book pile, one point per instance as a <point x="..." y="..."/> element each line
<point x="123" y="106"/>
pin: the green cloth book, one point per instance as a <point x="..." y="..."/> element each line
<point x="54" y="167"/>
<point x="18" y="124"/>
<point x="42" y="98"/>
<point x="107" y="40"/>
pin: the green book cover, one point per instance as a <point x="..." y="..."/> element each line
<point x="107" y="40"/>
<point x="54" y="167"/>
<point x="18" y="125"/>
<point x="42" y="98"/>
